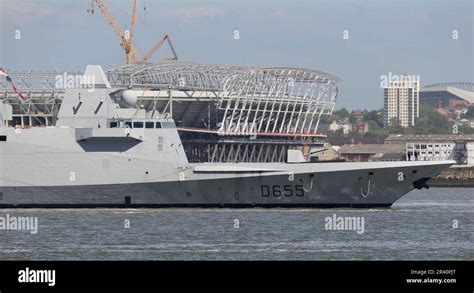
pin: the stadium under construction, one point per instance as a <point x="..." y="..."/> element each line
<point x="223" y="113"/>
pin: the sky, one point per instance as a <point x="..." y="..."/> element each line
<point x="357" y="41"/>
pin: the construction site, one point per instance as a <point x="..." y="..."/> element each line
<point x="224" y="113"/>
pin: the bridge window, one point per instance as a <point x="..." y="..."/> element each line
<point x="141" y="124"/>
<point x="137" y="124"/>
<point x="149" y="124"/>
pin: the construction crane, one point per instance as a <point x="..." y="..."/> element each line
<point x="126" y="42"/>
<point x="155" y="48"/>
<point x="133" y="21"/>
<point x="130" y="52"/>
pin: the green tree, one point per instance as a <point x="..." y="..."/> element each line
<point x="342" y="113"/>
<point x="352" y="119"/>
<point x="373" y="126"/>
<point x="396" y="129"/>
<point x="431" y="122"/>
<point x="324" y="119"/>
<point x="376" y="116"/>
<point x="339" y="132"/>
<point x="376" y="131"/>
<point x="465" y="129"/>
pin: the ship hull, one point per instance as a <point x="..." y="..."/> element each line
<point x="370" y="185"/>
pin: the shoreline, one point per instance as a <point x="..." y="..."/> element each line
<point x="440" y="183"/>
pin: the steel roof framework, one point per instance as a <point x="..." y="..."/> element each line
<point x="253" y="100"/>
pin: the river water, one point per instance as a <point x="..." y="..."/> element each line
<point x="434" y="224"/>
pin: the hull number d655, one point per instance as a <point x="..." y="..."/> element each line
<point x="281" y="190"/>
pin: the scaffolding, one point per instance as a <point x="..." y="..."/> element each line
<point x="250" y="100"/>
<point x="276" y="101"/>
<point x="225" y="113"/>
<point x="236" y="113"/>
<point x="43" y="95"/>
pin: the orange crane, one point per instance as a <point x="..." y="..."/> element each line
<point x="133" y="22"/>
<point x="131" y="54"/>
<point x="155" y="48"/>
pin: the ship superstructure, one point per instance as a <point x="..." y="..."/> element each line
<point x="187" y="134"/>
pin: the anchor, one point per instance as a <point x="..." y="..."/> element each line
<point x="311" y="185"/>
<point x="365" y="194"/>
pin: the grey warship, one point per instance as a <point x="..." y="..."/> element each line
<point x="191" y="135"/>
